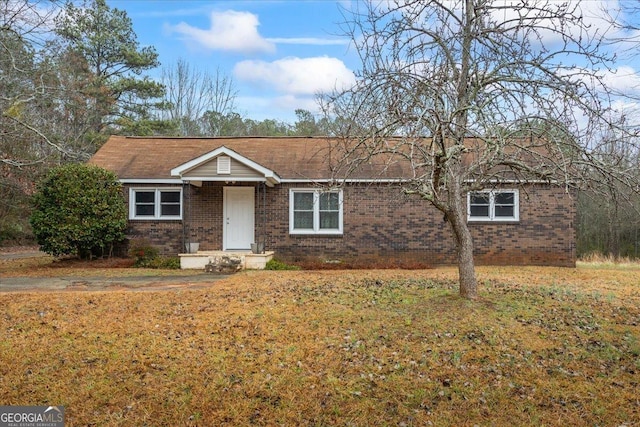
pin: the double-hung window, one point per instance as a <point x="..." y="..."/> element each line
<point x="155" y="203"/>
<point x="495" y="205"/>
<point x="315" y="212"/>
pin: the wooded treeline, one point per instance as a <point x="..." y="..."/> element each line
<point x="69" y="80"/>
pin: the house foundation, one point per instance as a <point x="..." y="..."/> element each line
<point x="244" y="260"/>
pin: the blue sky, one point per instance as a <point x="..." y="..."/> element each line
<point x="281" y="53"/>
<point x="278" y="53"/>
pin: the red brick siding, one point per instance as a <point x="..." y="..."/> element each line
<point x="204" y="215"/>
<point x="545" y="234"/>
<point x="166" y="235"/>
<point x="381" y="227"/>
<point x="384" y="227"/>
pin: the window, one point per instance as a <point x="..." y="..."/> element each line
<point x="315" y="212"/>
<point x="497" y="205"/>
<point x="155" y="203"/>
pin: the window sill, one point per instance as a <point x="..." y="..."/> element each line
<point x="149" y="218"/>
<point x="492" y="221"/>
<point x="316" y="233"/>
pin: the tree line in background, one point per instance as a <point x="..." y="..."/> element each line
<point x="69" y="80"/>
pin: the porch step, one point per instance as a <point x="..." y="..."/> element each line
<point x="247" y="260"/>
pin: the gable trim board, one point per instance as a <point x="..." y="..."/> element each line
<point x="265" y="175"/>
<point x="378" y="225"/>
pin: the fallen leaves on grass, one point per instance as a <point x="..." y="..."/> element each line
<point x="47" y="266"/>
<point x="541" y="347"/>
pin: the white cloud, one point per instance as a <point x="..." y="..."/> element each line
<point x="623" y="80"/>
<point x="298" y="76"/>
<point x="593" y="19"/>
<point x="230" y="31"/>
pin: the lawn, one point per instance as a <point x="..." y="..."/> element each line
<point x="543" y="346"/>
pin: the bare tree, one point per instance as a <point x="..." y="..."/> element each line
<point x="27" y="142"/>
<point x="458" y="83"/>
<point x="25" y="28"/>
<point x="195" y="97"/>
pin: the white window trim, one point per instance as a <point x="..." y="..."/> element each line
<point x="316" y="212"/>
<point x="156" y="210"/>
<point x="492" y="217"/>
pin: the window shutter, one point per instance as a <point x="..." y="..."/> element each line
<point x="224" y="165"/>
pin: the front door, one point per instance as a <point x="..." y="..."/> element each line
<point x="238" y="226"/>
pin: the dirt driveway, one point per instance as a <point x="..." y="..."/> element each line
<point x="140" y="283"/>
<point x="143" y="282"/>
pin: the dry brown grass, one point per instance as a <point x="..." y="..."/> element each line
<point x="544" y="346"/>
<point x="46" y="266"/>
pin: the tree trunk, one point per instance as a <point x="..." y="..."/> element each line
<point x="457" y="218"/>
<point x="466" y="266"/>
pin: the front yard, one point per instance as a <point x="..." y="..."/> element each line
<point x="544" y="346"/>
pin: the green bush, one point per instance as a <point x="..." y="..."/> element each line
<point x="79" y="210"/>
<point x="275" y="264"/>
<point x="165" y="263"/>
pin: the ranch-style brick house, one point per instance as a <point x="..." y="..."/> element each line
<point x="229" y="193"/>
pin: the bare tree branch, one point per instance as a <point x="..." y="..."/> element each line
<point x="471" y="93"/>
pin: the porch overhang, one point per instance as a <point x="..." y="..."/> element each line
<point x="242" y="169"/>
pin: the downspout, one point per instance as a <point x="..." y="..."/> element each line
<point x="264" y="217"/>
<point x="187" y="195"/>
<point x="261" y="199"/>
<point x="184" y="216"/>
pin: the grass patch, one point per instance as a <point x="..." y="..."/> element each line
<point x="600" y="261"/>
<point x="276" y="264"/>
<point x="334" y="348"/>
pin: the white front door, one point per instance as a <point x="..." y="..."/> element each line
<point x="238" y="226"/>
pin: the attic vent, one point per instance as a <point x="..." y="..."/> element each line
<point x="224" y="165"/>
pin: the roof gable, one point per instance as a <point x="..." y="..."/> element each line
<point x="153" y="159"/>
<point x="195" y="169"/>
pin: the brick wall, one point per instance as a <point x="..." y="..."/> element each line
<point x="381" y="227"/>
<point x="203" y="217"/>
<point x="166" y="235"/>
<point x="545" y="234"/>
<point x="384" y="227"/>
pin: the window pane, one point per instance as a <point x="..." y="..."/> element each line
<point x="169" y="203"/>
<point x="144" y="210"/>
<point x="504" y="198"/>
<point x="170" y="197"/>
<point x="479" y="205"/>
<point x="145" y="203"/>
<point x="479" y="211"/>
<point x="303" y="201"/>
<point x="504" y="211"/>
<point x="479" y="199"/>
<point x="329" y="220"/>
<point x="170" y="210"/>
<point x="303" y="220"/>
<point x="145" y="196"/>
<point x="329" y="202"/>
